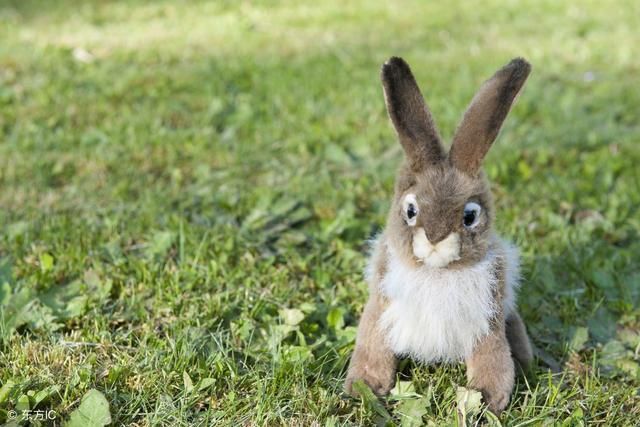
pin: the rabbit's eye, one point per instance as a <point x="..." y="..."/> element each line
<point x="410" y="209"/>
<point x="471" y="215"/>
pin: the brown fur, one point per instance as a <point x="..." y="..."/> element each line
<point x="485" y="115"/>
<point x="442" y="192"/>
<point x="518" y="340"/>
<point x="443" y="185"/>
<point x="373" y="361"/>
<point x="410" y="115"/>
<point x="490" y="369"/>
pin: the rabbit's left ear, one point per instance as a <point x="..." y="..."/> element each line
<point x="410" y="116"/>
<point x="485" y="115"/>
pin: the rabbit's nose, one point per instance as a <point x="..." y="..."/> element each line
<point x="436" y="234"/>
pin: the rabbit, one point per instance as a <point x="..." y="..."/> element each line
<point x="442" y="284"/>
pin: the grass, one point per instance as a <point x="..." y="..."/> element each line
<point x="186" y="191"/>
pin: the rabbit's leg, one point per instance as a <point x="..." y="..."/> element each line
<point x="490" y="369"/>
<point x="518" y="340"/>
<point x="372" y="361"/>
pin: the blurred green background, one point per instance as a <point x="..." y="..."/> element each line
<point x="186" y="190"/>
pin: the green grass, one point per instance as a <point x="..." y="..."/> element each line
<point x="184" y="212"/>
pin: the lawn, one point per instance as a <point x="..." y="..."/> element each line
<point x="186" y="191"/>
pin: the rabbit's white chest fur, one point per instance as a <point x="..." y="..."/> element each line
<point x="439" y="314"/>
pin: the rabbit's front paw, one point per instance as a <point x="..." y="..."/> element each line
<point x="379" y="373"/>
<point x="381" y="385"/>
<point x="496" y="386"/>
<point x="496" y="400"/>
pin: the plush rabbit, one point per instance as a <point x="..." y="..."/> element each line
<point x="442" y="283"/>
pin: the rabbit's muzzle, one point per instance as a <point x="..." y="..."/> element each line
<point x="439" y="255"/>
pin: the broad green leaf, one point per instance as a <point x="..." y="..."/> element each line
<point x="5" y="293"/>
<point x="575" y="419"/>
<point x="411" y="411"/>
<point x="23" y="403"/>
<point x="602" y="326"/>
<point x="616" y="358"/>
<point x="630" y="337"/>
<point x="45" y="394"/>
<point x="206" y="383"/>
<point x="6" y="389"/>
<point x="21" y="308"/>
<point x="5" y="273"/>
<point x="188" y="383"/>
<point x="66" y="301"/>
<point x="629" y="366"/>
<point x="613" y="350"/>
<point x="337" y="154"/>
<point x="38" y="316"/>
<point x="307" y="307"/>
<point x="291" y="316"/>
<point x="579" y="338"/>
<point x="404" y="390"/>
<point x="160" y="243"/>
<point x="469" y="403"/>
<point x="347" y="334"/>
<point x="335" y="318"/>
<point x="17" y="229"/>
<point x="92" y="412"/>
<point x="297" y="353"/>
<point x="280" y="332"/>
<point x="98" y="286"/>
<point x="370" y="400"/>
<point x="46" y="262"/>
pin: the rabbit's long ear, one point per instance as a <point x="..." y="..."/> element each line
<point x="485" y="115"/>
<point x="410" y="115"/>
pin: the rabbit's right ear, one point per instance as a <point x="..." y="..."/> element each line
<point x="410" y="115"/>
<point x="485" y="115"/>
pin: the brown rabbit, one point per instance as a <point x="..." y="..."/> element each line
<point x="442" y="283"/>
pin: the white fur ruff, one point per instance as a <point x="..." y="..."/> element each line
<point x="439" y="314"/>
<point x="512" y="275"/>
